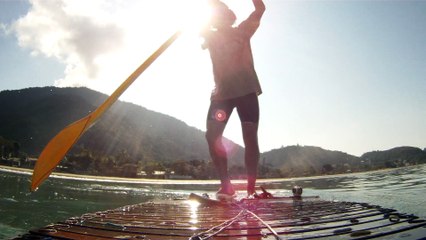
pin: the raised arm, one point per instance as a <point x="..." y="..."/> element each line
<point x="251" y="24"/>
<point x="259" y="8"/>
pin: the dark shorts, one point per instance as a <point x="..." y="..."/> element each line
<point x="247" y="108"/>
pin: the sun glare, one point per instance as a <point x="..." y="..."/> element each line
<point x="195" y="15"/>
<point x="194" y="209"/>
<point x="187" y="15"/>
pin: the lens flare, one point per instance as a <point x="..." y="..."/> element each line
<point x="220" y="115"/>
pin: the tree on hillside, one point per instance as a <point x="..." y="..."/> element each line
<point x="327" y="169"/>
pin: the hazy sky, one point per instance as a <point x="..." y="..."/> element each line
<point x="342" y="75"/>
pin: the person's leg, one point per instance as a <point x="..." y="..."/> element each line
<point x="217" y="151"/>
<point x="251" y="156"/>
<point x="248" y="111"/>
<point x="216" y="123"/>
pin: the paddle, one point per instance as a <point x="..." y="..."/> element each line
<point x="59" y="145"/>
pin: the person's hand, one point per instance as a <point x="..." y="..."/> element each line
<point x="258" y="4"/>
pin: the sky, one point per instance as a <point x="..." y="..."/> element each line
<point x="342" y="75"/>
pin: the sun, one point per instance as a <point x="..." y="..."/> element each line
<point x="188" y="15"/>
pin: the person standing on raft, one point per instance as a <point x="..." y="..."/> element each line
<point x="236" y="86"/>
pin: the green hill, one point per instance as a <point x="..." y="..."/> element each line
<point x="298" y="160"/>
<point x="130" y="133"/>
<point x="395" y="157"/>
<point x="295" y="161"/>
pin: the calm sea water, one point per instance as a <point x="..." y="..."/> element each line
<point x="58" y="199"/>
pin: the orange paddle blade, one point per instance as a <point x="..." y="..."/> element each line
<point x="56" y="149"/>
<point x="58" y="146"/>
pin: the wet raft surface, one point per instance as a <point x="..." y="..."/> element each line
<point x="281" y="218"/>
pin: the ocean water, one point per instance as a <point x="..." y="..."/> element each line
<point x="60" y="198"/>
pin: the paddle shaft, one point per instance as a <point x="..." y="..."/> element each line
<point x="120" y="90"/>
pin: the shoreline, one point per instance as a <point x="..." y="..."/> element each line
<point x="80" y="177"/>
